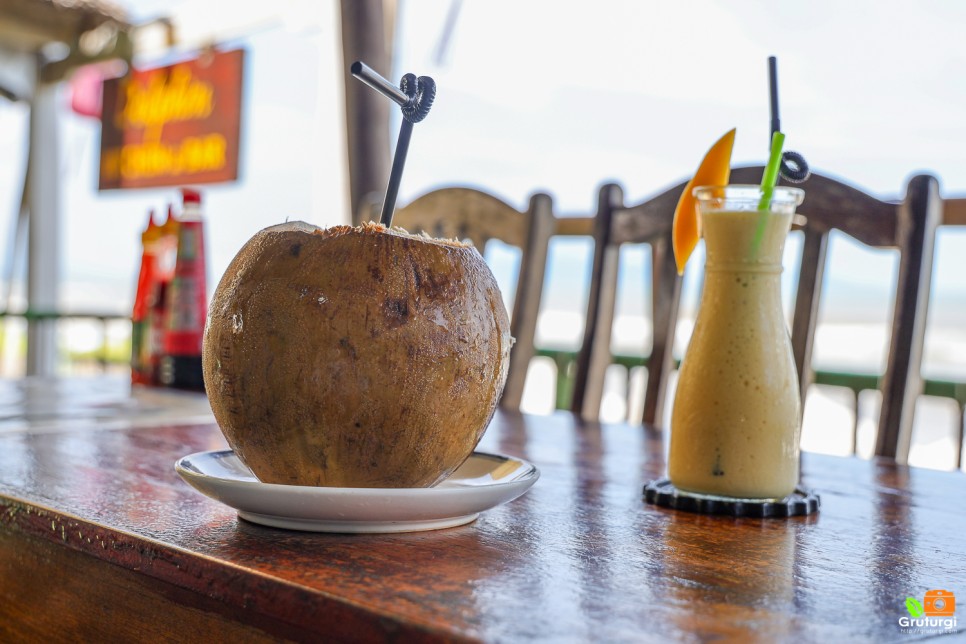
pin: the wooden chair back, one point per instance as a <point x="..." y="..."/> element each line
<point x="469" y="214"/>
<point x="614" y="225"/>
<point x="908" y="226"/>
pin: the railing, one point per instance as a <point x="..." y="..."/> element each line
<point x="565" y="362"/>
<point x="856" y="382"/>
<point x="102" y="355"/>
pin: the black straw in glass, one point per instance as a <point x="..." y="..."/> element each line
<point x="794" y="168"/>
<point x="776" y="122"/>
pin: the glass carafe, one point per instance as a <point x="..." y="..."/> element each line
<point x="736" y="419"/>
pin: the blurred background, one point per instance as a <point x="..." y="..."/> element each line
<point x="537" y="95"/>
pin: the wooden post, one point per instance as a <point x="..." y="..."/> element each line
<point x="44" y="230"/>
<point x="365" y="37"/>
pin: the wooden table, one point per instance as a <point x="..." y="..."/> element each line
<point x="100" y="540"/>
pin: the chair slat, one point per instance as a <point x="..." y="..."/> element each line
<point x="811" y="272"/>
<point x="665" y="302"/>
<point x="918" y="218"/>
<point x="526" y="307"/>
<point x="594" y="355"/>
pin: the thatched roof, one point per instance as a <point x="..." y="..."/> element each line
<point x="92" y="30"/>
<point x="28" y="25"/>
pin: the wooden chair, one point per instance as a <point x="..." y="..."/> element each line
<point x="614" y="225"/>
<point x="908" y="226"/>
<point x="469" y="214"/>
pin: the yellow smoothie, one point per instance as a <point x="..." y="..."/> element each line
<point x="736" y="420"/>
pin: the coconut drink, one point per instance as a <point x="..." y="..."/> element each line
<point x="355" y="356"/>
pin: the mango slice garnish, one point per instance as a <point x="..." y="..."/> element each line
<point x="715" y="170"/>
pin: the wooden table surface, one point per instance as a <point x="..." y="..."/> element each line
<point x="99" y="538"/>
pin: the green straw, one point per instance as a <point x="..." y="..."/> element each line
<point x="768" y="181"/>
<point x="770" y="178"/>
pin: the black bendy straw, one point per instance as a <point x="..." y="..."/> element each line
<point x="776" y="121"/>
<point x="794" y="168"/>
<point x="415" y="97"/>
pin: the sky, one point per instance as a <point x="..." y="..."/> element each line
<point x="635" y="92"/>
<point x="552" y="96"/>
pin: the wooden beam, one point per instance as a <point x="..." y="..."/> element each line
<point x="574" y="226"/>
<point x="365" y="37"/>
<point x="954" y="212"/>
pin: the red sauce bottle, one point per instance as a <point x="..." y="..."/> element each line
<point x="187" y="302"/>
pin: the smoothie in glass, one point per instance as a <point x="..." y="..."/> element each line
<point x="736" y="419"/>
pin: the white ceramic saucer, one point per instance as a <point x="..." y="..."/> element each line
<point x="484" y="481"/>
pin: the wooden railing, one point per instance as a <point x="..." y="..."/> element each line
<point x="101" y="319"/>
<point x="857" y="382"/>
<point x="565" y="362"/>
<point x="954" y="212"/>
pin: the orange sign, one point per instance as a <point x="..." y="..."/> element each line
<point x="173" y="125"/>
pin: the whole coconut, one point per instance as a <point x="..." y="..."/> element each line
<point x="355" y="357"/>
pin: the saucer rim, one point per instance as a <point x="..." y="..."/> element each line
<point x="529" y="471"/>
<point x="358" y="510"/>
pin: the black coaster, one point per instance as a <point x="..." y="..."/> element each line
<point x="799" y="503"/>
